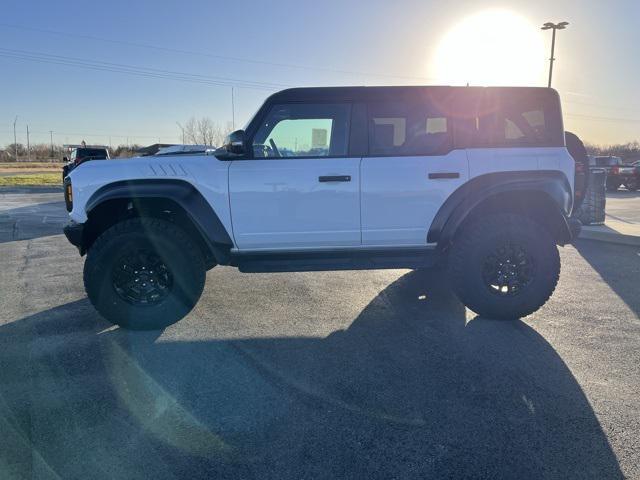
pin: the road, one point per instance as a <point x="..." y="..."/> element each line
<point x="379" y="374"/>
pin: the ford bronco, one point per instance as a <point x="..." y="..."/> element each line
<point x="478" y="179"/>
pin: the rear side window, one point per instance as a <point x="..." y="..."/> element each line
<point x="91" y="152"/>
<point x="520" y="122"/>
<point x="407" y="128"/>
<point x="512" y="118"/>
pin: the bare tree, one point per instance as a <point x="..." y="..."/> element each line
<point x="204" y="131"/>
<point x="627" y="151"/>
<point x="16" y="148"/>
<point x="191" y="131"/>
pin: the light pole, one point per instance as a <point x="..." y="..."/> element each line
<point x="233" y="111"/>
<point x="15" y="141"/>
<point x="554" y="27"/>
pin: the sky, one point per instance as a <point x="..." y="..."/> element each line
<point x="127" y="71"/>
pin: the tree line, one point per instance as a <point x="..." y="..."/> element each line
<point x="196" y="131"/>
<point x="44" y="152"/>
<point x="627" y="151"/>
<point x="204" y="131"/>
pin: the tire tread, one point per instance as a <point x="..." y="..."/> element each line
<point x="482" y="228"/>
<point x="137" y="224"/>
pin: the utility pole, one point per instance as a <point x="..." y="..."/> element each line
<point x="233" y="111"/>
<point x="554" y="27"/>
<point x="28" y="146"/>
<point x="51" y="133"/>
<point x="15" y="138"/>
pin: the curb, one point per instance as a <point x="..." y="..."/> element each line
<point x="594" y="233"/>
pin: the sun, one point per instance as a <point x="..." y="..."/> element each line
<point x="493" y="47"/>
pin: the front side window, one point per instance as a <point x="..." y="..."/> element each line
<point x="303" y="130"/>
<point x="407" y="128"/>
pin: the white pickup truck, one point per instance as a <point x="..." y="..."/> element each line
<point x="339" y="178"/>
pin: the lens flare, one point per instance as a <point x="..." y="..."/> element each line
<point x="493" y="47"/>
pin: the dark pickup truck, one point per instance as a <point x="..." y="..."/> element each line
<point x="81" y="155"/>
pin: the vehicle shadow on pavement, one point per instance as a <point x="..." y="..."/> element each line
<point x="614" y="263"/>
<point x="409" y="390"/>
<point x="32" y="221"/>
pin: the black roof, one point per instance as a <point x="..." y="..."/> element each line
<point x="362" y="93"/>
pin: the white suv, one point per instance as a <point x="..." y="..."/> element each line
<point x="339" y="178"/>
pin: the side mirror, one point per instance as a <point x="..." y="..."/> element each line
<point x="234" y="146"/>
<point x="65" y="159"/>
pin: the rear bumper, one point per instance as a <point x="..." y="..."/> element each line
<point x="75" y="234"/>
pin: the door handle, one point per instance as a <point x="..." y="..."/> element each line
<point x="334" y="178"/>
<point x="434" y="176"/>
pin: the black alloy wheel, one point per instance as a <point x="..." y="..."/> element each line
<point x="508" y="270"/>
<point x="140" y="277"/>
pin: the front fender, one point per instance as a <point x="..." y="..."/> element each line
<point x="181" y="192"/>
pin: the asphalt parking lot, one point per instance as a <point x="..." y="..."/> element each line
<point x="379" y="374"/>
<point x="624" y="206"/>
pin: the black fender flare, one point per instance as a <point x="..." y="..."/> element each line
<point x="183" y="193"/>
<point x="552" y="185"/>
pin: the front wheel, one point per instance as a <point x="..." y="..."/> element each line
<point x="504" y="266"/>
<point x="144" y="274"/>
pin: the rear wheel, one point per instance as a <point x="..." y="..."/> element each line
<point x="144" y="274"/>
<point x="504" y="266"/>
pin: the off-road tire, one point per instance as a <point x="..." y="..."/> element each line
<point x="477" y="241"/>
<point x="182" y="257"/>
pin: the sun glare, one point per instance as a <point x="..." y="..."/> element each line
<point x="494" y="47"/>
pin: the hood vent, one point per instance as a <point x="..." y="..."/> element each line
<point x="167" y="170"/>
